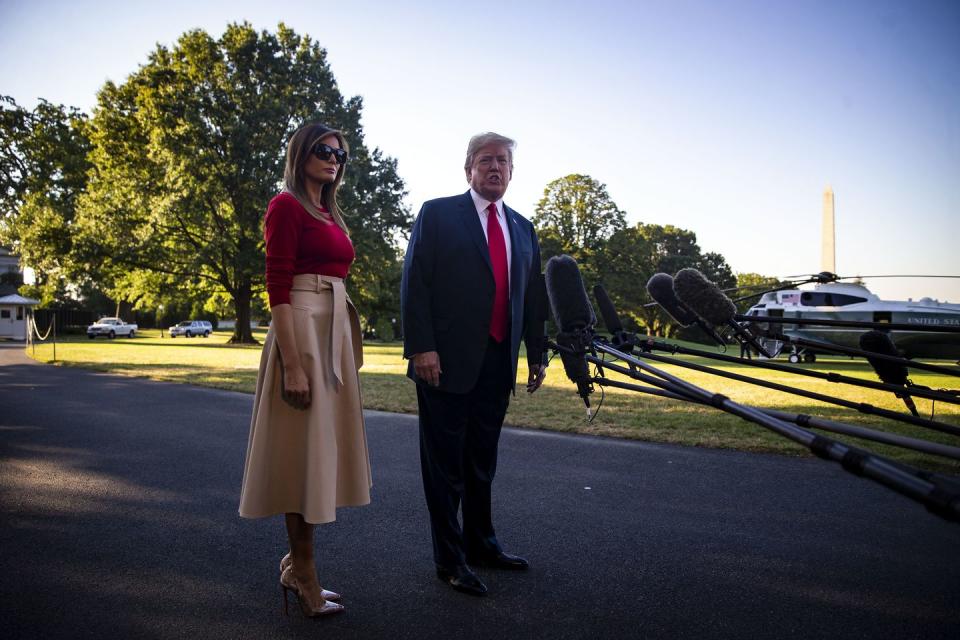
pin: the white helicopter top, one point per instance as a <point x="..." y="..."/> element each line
<point x="832" y="300"/>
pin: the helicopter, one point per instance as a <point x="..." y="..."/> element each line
<point x="834" y="299"/>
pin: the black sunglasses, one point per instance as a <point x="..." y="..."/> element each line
<point x="324" y="151"/>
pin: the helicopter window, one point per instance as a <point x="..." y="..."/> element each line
<point x="882" y="316"/>
<point x="775" y="313"/>
<point x="823" y="299"/>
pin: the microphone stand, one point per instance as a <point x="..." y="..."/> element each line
<point x="857" y="461"/>
<point x="918" y="391"/>
<point x="800" y="419"/>
<point x="850" y="351"/>
<point x="576" y="345"/>
<point x="862" y="407"/>
<point x="745" y="336"/>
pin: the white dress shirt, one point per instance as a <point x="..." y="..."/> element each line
<point x="481" y="204"/>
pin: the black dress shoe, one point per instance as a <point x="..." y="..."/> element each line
<point x="499" y="560"/>
<point x="462" y="579"/>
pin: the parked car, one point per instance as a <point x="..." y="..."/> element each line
<point x="111" y="327"/>
<point x="191" y="328"/>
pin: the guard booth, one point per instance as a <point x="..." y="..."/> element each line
<point x="14" y="311"/>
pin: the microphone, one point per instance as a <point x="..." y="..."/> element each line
<point x="611" y="320"/>
<point x="710" y="303"/>
<point x="575" y="317"/>
<point x="660" y="288"/>
<point x="889" y="372"/>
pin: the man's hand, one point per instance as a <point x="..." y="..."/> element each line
<point x="427" y="367"/>
<point x="537" y="374"/>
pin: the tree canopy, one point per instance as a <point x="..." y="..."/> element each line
<point x="159" y="196"/>
<point x="577" y="217"/>
<point x="188" y="151"/>
<point x="43" y="172"/>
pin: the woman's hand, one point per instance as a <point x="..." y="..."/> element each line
<point x="296" y="387"/>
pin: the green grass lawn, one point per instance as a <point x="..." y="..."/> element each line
<point x="214" y="363"/>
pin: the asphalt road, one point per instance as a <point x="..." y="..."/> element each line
<point x="118" y="519"/>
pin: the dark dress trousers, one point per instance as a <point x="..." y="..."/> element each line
<point x="446" y="299"/>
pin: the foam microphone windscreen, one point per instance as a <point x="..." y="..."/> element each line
<point x="660" y="288"/>
<point x="703" y="297"/>
<point x="607" y="311"/>
<point x="880" y="343"/>
<point x="572" y="310"/>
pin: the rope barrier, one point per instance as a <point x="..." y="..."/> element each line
<point x="33" y="325"/>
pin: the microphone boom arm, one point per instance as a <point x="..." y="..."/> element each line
<point x="854" y="460"/>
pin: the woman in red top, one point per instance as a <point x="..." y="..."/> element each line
<point x="307" y="452"/>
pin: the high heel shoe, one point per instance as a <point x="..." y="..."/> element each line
<point x="286" y="561"/>
<point x="289" y="583"/>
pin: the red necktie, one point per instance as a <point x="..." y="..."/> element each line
<point x="498" y="260"/>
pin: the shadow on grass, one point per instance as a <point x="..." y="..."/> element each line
<point x="167" y="343"/>
<point x="621" y="414"/>
<point x="230" y="379"/>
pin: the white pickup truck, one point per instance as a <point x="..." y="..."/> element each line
<point x="111" y="327"/>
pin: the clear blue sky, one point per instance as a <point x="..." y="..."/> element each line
<point x="727" y="118"/>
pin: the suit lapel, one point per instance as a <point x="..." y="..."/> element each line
<point x="516" y="271"/>
<point x="471" y="221"/>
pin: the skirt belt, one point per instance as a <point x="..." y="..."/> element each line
<point x="318" y="283"/>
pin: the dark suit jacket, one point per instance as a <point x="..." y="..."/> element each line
<point x="446" y="295"/>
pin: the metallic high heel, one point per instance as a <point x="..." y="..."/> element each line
<point x="286" y="561"/>
<point x="289" y="583"/>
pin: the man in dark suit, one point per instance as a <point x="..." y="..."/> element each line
<point x="469" y="294"/>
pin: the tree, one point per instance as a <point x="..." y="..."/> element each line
<point x="43" y="158"/>
<point x="753" y="284"/>
<point x="671" y="249"/>
<point x="189" y="150"/>
<point x="576" y="216"/>
<point x="623" y="268"/>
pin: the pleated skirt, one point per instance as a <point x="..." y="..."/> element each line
<point x="310" y="462"/>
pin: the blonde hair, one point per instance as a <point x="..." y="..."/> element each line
<point x="298" y="153"/>
<point x="481" y="140"/>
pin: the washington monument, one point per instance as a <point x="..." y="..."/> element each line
<point x="828" y="252"/>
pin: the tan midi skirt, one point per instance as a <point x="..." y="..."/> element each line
<point x="310" y="462"/>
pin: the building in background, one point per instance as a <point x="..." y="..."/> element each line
<point x="14" y="308"/>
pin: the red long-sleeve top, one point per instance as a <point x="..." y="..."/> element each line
<point x="296" y="243"/>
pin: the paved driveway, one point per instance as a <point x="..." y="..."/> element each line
<point x="118" y="500"/>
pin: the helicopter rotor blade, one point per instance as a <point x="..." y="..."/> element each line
<point x="899" y="276"/>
